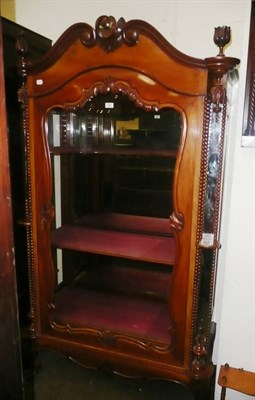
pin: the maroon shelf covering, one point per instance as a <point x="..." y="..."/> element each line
<point x="119" y="314"/>
<point x="114" y="243"/>
<point x="127" y="223"/>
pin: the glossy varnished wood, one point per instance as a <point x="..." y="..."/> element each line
<point x="11" y="380"/>
<point x="133" y="59"/>
<point x="107" y="74"/>
<point x="236" y="379"/>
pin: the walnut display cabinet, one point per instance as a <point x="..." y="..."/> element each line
<point x="124" y="153"/>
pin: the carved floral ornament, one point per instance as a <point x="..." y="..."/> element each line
<point x="109" y="33"/>
<point x="116" y="87"/>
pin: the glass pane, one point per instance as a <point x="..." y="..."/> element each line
<point x="113" y="121"/>
<point x="114" y="157"/>
<point x="113" y="169"/>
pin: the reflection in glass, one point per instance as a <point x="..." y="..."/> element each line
<point x="215" y="142"/>
<point x="113" y="170"/>
<point x="113" y="120"/>
<point x="117" y="157"/>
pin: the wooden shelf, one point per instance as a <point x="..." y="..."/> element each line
<point x="114" y="150"/>
<point x="109" y="311"/>
<point x="146" y="169"/>
<point x="143" y="238"/>
<point x="127" y="223"/>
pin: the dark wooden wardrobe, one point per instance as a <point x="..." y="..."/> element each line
<point x="14" y="288"/>
<point x="38" y="45"/>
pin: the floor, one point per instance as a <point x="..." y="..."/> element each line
<point x="58" y="378"/>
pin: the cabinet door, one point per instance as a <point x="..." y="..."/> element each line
<point x="114" y="152"/>
<point x="113" y="171"/>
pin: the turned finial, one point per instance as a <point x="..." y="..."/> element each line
<point x="221" y="38"/>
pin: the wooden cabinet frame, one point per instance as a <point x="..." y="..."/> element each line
<point x="133" y="59"/>
<point x="249" y="106"/>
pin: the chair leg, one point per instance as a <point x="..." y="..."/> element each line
<point x="223" y="393"/>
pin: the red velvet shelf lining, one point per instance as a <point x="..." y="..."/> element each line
<point x="102" y="298"/>
<point x="127" y="223"/>
<point x="115" y="243"/>
<point x="119" y="314"/>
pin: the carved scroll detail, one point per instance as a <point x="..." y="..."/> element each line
<point x="113" y="86"/>
<point x="176" y="221"/>
<point x="106" y="337"/>
<point x="88" y="36"/>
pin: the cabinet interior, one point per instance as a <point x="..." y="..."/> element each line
<point x="113" y="169"/>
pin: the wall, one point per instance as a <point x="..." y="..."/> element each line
<point x="189" y="26"/>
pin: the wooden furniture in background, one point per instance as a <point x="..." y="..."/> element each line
<point x="11" y="379"/>
<point x="38" y="45"/>
<point x="236" y="379"/>
<point x="124" y="140"/>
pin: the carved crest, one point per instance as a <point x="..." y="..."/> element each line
<point x="109" y="33"/>
<point x="109" y="84"/>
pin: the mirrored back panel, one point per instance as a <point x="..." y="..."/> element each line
<point x="113" y="121"/>
<point x="116" y="157"/>
<point x="113" y="169"/>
